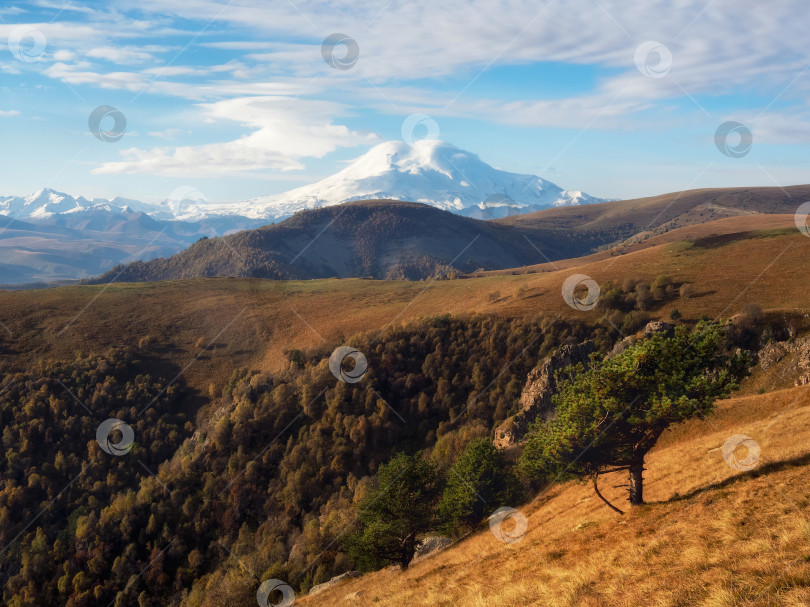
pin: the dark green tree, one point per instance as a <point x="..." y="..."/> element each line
<point x="480" y="482"/>
<point x="400" y="507"/>
<point x="610" y="416"/>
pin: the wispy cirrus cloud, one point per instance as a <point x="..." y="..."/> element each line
<point x="242" y="63"/>
<point x="285" y="130"/>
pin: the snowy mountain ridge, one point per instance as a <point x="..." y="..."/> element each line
<point x="429" y="171"/>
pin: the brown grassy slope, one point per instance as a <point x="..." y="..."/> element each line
<point x="741" y="224"/>
<point x="647" y="213"/>
<point x="253" y="322"/>
<point x="710" y="536"/>
<point x="394" y="239"/>
<point x="380" y="239"/>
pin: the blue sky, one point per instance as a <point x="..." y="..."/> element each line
<point x="617" y="98"/>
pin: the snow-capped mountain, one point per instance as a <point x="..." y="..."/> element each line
<point x="46" y="203"/>
<point x="429" y="171"/>
<point x="50" y="235"/>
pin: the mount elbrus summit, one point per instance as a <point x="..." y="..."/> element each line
<point x="51" y="236"/>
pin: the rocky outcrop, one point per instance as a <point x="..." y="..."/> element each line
<point x="652" y="327"/>
<point x="430" y="546"/>
<point x="798" y="349"/>
<point x="334" y="581"/>
<point x="535" y="400"/>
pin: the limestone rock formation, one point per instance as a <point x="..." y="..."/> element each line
<point x="430" y="546"/>
<point x="798" y="349"/>
<point x="535" y="400"/>
<point x="334" y="581"/>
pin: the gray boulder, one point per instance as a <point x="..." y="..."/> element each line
<point x="535" y="400"/>
<point x="334" y="581"/>
<point x="430" y="546"/>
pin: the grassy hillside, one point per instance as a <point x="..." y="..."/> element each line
<point x="711" y="536"/>
<point x="212" y="326"/>
<point x="405" y="240"/>
<point x="681" y="208"/>
<point x="380" y="239"/>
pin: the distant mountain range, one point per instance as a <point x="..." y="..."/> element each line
<point x="52" y="236"/>
<point x="392" y="239"/>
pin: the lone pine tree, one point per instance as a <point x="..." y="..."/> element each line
<point x="609" y="416"/>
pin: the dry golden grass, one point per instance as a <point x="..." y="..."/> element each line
<point x="731" y="225"/>
<point x="710" y="535"/>
<point x="253" y="322"/>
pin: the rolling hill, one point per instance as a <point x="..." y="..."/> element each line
<point x="391" y="239"/>
<point x="380" y="239"/>
<point x="644" y="217"/>
<point x="255" y="322"/>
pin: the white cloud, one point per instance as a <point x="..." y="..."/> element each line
<point x="120" y="54"/>
<point x="716" y="50"/>
<point x="9" y="113"/>
<point x="169" y="134"/>
<point x="130" y="81"/>
<point x="64" y="55"/>
<point x="285" y="131"/>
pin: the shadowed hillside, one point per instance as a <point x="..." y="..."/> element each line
<point x="380" y="239"/>
<point x="401" y="240"/>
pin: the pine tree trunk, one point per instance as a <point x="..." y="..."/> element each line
<point x="408" y="550"/>
<point x="637" y="483"/>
